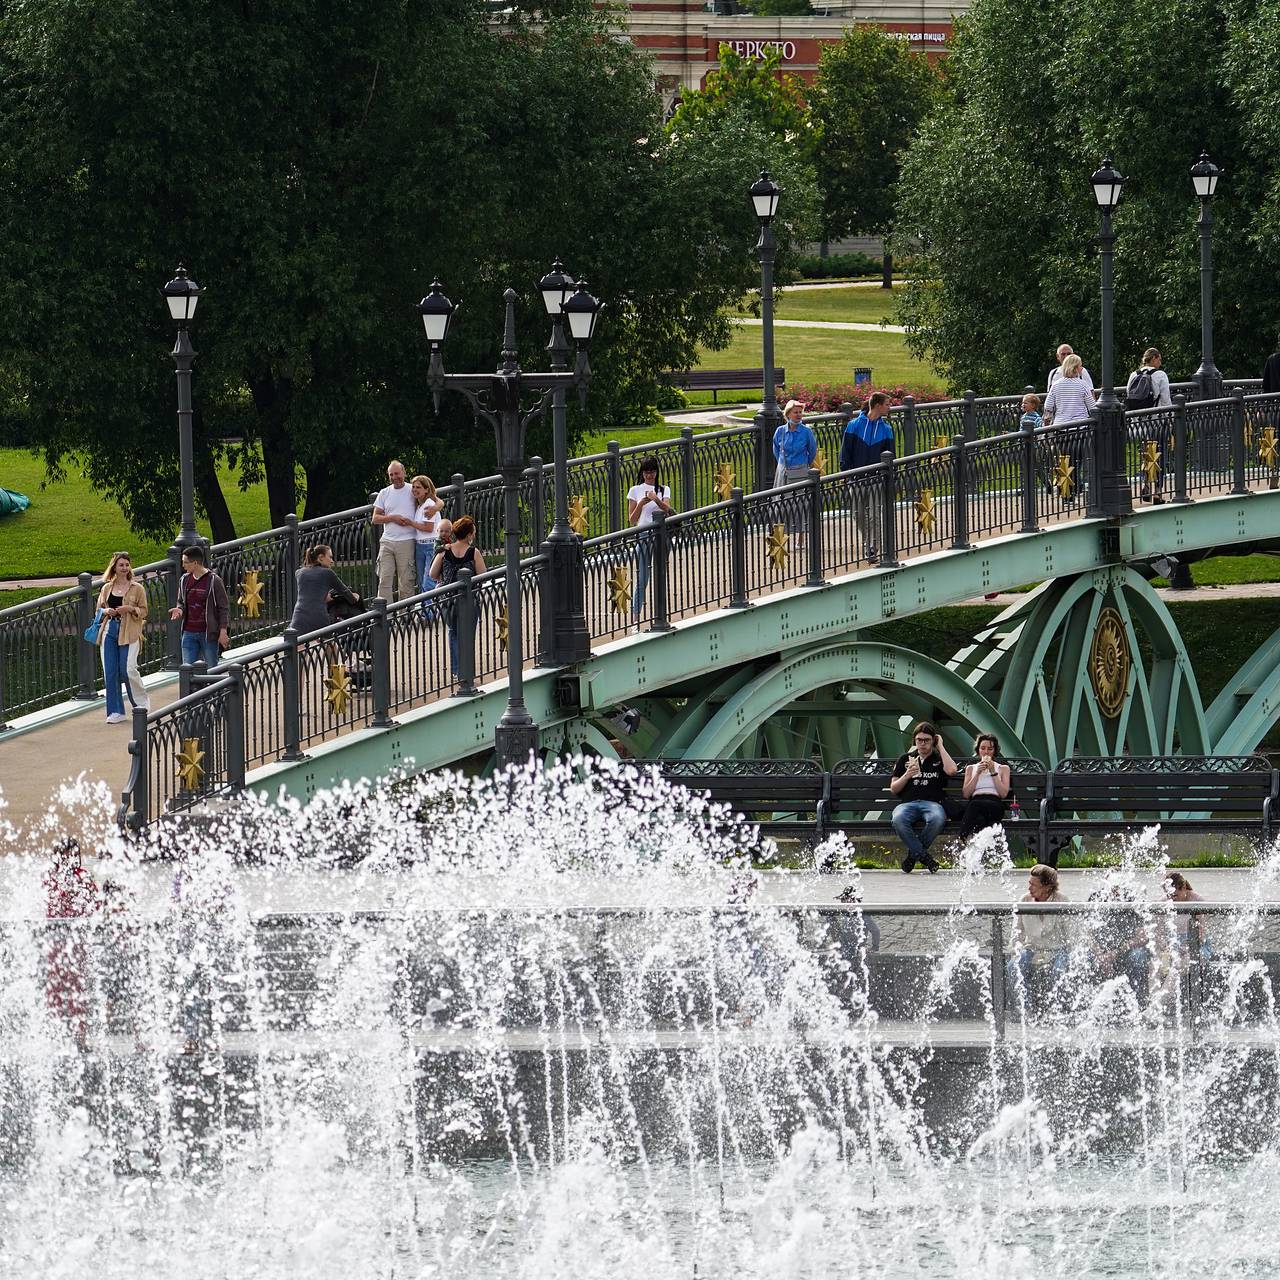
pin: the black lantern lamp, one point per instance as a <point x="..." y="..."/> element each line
<point x="181" y="296"/>
<point x="1107" y="183"/>
<point x="764" y="197"/>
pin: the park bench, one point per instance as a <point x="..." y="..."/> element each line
<point x="783" y="795"/>
<point x="1228" y="795"/>
<point x="717" y="380"/>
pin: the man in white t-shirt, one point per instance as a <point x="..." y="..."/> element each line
<point x="393" y="510"/>
<point x="1054" y="374"/>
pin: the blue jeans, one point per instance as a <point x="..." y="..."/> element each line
<point x="196" y="648"/>
<point x="120" y="671"/>
<point x="644" y="561"/>
<point x="423" y="554"/>
<point x="1018" y="971"/>
<point x="929" y="814"/>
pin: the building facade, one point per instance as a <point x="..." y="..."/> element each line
<point x="685" y="36"/>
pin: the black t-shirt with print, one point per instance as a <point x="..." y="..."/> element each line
<point x="930" y="785"/>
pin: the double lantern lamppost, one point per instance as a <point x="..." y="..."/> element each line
<point x="1111" y="494"/>
<point x="495" y="399"/>
<point x="1204" y="179"/>
<point x="181" y="295"/>
<point x="764" y="193"/>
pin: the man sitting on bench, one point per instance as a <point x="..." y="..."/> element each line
<point x="920" y="781"/>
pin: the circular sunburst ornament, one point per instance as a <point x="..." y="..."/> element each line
<point x="1109" y="663"/>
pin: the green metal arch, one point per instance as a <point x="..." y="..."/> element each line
<point x="1249" y="704"/>
<point x="880" y="666"/>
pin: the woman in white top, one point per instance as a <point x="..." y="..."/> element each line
<point x="426" y="522"/>
<point x="986" y="784"/>
<point x="1070" y="398"/>
<point x="644" y="500"/>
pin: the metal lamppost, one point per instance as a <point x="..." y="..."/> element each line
<point x="181" y="295"/>
<point x="495" y="399"/>
<point x="1204" y="178"/>
<point x="764" y="195"/>
<point x="569" y="641"/>
<point x="1111" y="494"/>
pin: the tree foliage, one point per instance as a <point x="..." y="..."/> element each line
<point x="868" y="100"/>
<point x="314" y="163"/>
<point x="996" y="187"/>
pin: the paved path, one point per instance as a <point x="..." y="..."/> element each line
<point x="856" y="326"/>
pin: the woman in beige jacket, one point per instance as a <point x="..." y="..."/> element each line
<point x="124" y="611"/>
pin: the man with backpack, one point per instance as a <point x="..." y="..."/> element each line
<point x="1148" y="388"/>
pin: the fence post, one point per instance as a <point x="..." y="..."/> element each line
<point x="688" y="499"/>
<point x="613" y="469"/>
<point x="908" y="426"/>
<point x="380" y="645"/>
<point x="235" y="727"/>
<point x="537" y="504"/>
<point x="738" y="551"/>
<point x="292" y="559"/>
<point x="969" y="416"/>
<point x="1030" y="484"/>
<point x="815" y="528"/>
<point x="140" y="778"/>
<point x="459" y="483"/>
<point x="997" y="975"/>
<point x="1180" y="449"/>
<point x="466" y="636"/>
<point x="173" y="628"/>
<point x="86" y="653"/>
<point x="888" y="514"/>
<point x="1238" y="483"/>
<point x="291" y="687"/>
<point x="660" y="550"/>
<point x="185" y="682"/>
<point x="959" y="495"/>
<point x="1093" y="494"/>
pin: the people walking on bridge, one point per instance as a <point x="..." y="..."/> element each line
<point x="318" y="586"/>
<point x="1148" y="388"/>
<point x="1041" y="944"/>
<point x="204" y="609"/>
<point x="920" y="781"/>
<point x="461" y="553"/>
<point x="867" y="437"/>
<point x="645" y="499"/>
<point x="426" y="524"/>
<point x="1069" y="401"/>
<point x="393" y="512"/>
<point x="795" y="448"/>
<point x="1057" y="371"/>
<point x="124" y="614"/>
<point x="1070" y="397"/>
<point x="985" y="788"/>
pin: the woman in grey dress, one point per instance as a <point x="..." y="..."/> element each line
<point x="317" y="585"/>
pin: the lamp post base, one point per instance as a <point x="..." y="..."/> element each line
<point x="568" y="641"/>
<point x="766" y="423"/>
<point x="515" y="743"/>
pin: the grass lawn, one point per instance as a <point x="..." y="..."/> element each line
<point x="1225" y="570"/>
<point x="860" y="306"/>
<point x="69" y="528"/>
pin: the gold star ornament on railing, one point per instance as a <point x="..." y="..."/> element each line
<point x="250" y="597"/>
<point x="1151" y="467"/>
<point x="926" y="512"/>
<point x="337" y="689"/>
<point x="620" y="589"/>
<point x="190" y="766"/>
<point x="504" y="628"/>
<point x="723" y="483"/>
<point x="578" y="514"/>
<point x="1064" y="476"/>
<point x="820" y="462"/>
<point x="777" y="545"/>
<point x="1267" y="447"/>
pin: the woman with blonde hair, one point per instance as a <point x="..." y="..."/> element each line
<point x="124" y="613"/>
<point x="427" y="508"/>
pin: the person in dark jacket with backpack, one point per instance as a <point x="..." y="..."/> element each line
<point x="865" y="439"/>
<point x="1148" y="388"/>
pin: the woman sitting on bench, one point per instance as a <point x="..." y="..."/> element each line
<point x="985" y="789"/>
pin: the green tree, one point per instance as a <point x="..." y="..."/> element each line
<point x="314" y="163"/>
<point x="777" y="8"/>
<point x="995" y="188"/>
<point x="870" y="95"/>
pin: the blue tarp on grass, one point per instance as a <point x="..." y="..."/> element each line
<point x="11" y="503"/>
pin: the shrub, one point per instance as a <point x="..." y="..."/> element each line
<point x="812" y="267"/>
<point x="827" y="397"/>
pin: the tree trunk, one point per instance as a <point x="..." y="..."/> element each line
<point x="886" y="281"/>
<point x="222" y="527"/>
<point x="272" y="398"/>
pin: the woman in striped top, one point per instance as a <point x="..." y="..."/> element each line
<point x="1069" y="399"/>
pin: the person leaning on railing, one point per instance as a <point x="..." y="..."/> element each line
<point x="866" y="437"/>
<point x="461" y="553"/>
<point x="318" y="587"/>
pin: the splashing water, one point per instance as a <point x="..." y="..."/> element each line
<point x="548" y="1024"/>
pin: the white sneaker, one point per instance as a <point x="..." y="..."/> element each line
<point x="118" y="718"/>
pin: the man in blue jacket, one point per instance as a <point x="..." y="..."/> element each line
<point x="865" y="438"/>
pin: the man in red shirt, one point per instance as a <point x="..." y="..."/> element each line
<point x="204" y="609"/>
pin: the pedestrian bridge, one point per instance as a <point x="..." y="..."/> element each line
<point x="750" y="641"/>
